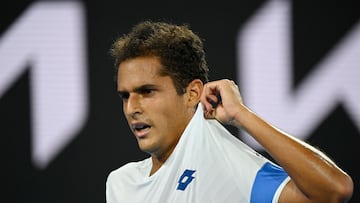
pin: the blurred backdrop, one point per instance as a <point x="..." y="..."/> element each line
<point x="61" y="123"/>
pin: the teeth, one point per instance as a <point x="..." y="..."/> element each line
<point x="140" y="127"/>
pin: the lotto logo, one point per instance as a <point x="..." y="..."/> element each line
<point x="185" y="179"/>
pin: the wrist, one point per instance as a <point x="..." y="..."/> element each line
<point x="240" y="116"/>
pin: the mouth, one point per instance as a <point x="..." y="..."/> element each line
<point x="140" y="129"/>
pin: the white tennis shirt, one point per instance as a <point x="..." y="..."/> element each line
<point x="207" y="165"/>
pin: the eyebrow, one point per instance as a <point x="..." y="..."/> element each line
<point x="140" y="88"/>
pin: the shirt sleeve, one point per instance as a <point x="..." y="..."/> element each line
<point x="267" y="182"/>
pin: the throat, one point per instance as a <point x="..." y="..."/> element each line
<point x="158" y="159"/>
<point x="156" y="164"/>
<point x="154" y="169"/>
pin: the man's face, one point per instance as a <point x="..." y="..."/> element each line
<point x="156" y="114"/>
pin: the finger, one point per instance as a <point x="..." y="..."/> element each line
<point x="210" y="114"/>
<point x="213" y="100"/>
<point x="206" y="98"/>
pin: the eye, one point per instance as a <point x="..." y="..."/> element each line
<point x="146" y="91"/>
<point x="124" y="95"/>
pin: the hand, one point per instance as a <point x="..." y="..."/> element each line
<point x="221" y="100"/>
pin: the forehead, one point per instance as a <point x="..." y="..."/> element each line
<point x="139" y="71"/>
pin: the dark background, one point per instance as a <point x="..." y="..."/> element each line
<point x="79" y="172"/>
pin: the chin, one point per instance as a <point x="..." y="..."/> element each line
<point x="145" y="148"/>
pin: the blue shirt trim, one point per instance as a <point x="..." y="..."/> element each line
<point x="267" y="181"/>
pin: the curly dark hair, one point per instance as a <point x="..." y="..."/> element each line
<point x="179" y="49"/>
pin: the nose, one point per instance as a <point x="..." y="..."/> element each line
<point x="132" y="106"/>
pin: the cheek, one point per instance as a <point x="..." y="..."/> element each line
<point x="165" y="112"/>
<point x="168" y="108"/>
<point x="172" y="115"/>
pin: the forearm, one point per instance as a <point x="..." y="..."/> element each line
<point x="314" y="177"/>
<point x="313" y="173"/>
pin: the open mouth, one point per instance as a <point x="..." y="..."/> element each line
<point x="140" y="127"/>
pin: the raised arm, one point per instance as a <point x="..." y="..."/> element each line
<point x="314" y="177"/>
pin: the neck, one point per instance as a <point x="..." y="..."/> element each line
<point x="158" y="159"/>
<point x="157" y="162"/>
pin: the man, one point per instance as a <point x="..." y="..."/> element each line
<point x="175" y="115"/>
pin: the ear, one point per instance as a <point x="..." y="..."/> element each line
<point x="194" y="91"/>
